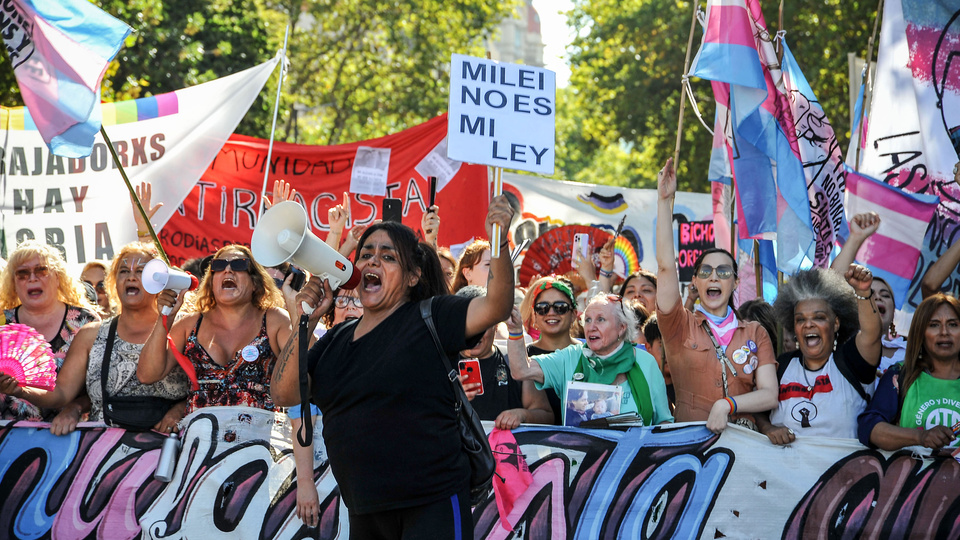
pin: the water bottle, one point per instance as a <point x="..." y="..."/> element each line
<point x="168" y="458"/>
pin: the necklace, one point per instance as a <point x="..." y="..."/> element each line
<point x="803" y="365"/>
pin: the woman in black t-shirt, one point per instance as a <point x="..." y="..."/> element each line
<point x="389" y="422"/>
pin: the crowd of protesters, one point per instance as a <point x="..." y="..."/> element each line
<point x="823" y="361"/>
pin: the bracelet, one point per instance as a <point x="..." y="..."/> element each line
<point x="516" y="336"/>
<point x="606" y="273"/>
<point x="505" y="244"/>
<point x="867" y="297"/>
<point x="732" y="403"/>
<point x="142" y="233"/>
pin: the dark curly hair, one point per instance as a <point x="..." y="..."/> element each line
<point x="819" y="284"/>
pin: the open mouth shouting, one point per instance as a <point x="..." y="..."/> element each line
<point x="34" y="292"/>
<point x="228" y="283"/>
<point x="713" y="292"/>
<point x="371" y="282"/>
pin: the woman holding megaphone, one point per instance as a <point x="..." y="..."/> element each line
<point x="231" y="342"/>
<point x="382" y="387"/>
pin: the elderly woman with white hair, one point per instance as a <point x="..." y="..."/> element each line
<point x="608" y="357"/>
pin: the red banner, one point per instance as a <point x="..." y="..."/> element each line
<point x="222" y="208"/>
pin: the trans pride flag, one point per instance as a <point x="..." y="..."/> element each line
<point x="60" y="51"/>
<point x="760" y="142"/>
<point x="893" y="251"/>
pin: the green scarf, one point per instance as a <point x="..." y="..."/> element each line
<point x="604" y="371"/>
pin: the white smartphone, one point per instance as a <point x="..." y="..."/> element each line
<point x="581" y="247"/>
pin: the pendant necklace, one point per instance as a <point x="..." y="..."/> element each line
<point x="805" y="379"/>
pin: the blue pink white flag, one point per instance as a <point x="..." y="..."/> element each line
<point x="738" y="57"/>
<point x="893" y="251"/>
<point x="60" y="52"/>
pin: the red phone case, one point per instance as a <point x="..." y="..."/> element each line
<point x="471" y="368"/>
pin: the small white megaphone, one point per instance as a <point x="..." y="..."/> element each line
<point x="283" y="234"/>
<point x="157" y="276"/>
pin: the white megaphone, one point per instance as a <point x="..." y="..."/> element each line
<point x="157" y="276"/>
<point x="283" y="234"/>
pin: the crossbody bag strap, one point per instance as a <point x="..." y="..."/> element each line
<point x="105" y="365"/>
<point x="725" y="362"/>
<point x="305" y="433"/>
<point x="426" y="311"/>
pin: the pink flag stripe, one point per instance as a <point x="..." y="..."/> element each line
<point x="894" y="224"/>
<point x="723" y="26"/>
<point x="886" y="196"/>
<point x="891" y="255"/>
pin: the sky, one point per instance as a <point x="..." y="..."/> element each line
<point x="556" y="36"/>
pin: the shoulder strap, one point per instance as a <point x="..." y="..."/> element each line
<point x="847" y="373"/>
<point x="725" y="363"/>
<point x="105" y="366"/>
<point x="426" y="311"/>
<point x="305" y="435"/>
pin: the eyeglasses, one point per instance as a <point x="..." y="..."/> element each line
<point x="23" y="274"/>
<point x="560" y="307"/>
<point x="343" y="301"/>
<point x="724" y="271"/>
<point x="99" y="286"/>
<point x="237" y="265"/>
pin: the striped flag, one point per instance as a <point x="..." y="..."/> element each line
<point x="60" y="51"/>
<point x="737" y="56"/>
<point x="891" y="252"/>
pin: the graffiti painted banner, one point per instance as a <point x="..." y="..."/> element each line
<point x="547" y="204"/>
<point x="235" y="478"/>
<point x="223" y="207"/>
<point x="913" y="136"/>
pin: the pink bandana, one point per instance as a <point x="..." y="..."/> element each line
<point x="722" y="328"/>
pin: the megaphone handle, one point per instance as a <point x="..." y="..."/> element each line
<point x="306" y="308"/>
<point x="167" y="310"/>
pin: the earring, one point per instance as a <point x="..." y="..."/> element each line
<point x="893" y="331"/>
<point x="834" y="343"/>
<point x="796" y="344"/>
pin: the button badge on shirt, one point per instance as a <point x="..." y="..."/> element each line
<point x="249" y="353"/>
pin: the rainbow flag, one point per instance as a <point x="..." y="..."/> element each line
<point x="60" y="52"/>
<point x="770" y="185"/>
<point x="113" y="114"/>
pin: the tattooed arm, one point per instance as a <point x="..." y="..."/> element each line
<point x="285" y="383"/>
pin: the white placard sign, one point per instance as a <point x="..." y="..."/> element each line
<point x="501" y="114"/>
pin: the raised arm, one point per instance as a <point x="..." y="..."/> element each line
<point x="940" y="270"/>
<point x="861" y="227"/>
<point x="156" y="357"/>
<point x="606" y="266"/>
<point x="430" y="224"/>
<point x="868" y="338"/>
<point x="668" y="283"/>
<point x="486" y="311"/>
<point x="522" y="368"/>
<point x="337" y="218"/>
<point x="144" y="193"/>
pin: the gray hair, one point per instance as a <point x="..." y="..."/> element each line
<point x="819" y="284"/>
<point x="472" y="291"/>
<point x="624" y="314"/>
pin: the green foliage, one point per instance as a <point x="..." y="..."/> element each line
<point x="622" y="105"/>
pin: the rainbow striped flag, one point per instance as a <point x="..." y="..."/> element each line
<point x="60" y="52"/>
<point x="893" y="251"/>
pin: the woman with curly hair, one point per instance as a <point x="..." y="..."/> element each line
<point x="474" y="266"/>
<point x="916" y="403"/>
<point x="232" y="341"/>
<point x="36" y="290"/>
<point x="824" y="384"/>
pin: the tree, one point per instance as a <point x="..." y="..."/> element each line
<point x="627" y="62"/>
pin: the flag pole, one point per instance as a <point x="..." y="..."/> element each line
<point x="683" y="81"/>
<point x="495" y="230"/>
<point x="866" y="82"/>
<point x="133" y="195"/>
<point x="273" y="128"/>
<point x="758" y="268"/>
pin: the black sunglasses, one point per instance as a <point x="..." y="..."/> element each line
<point x="237" y="265"/>
<point x="560" y="307"/>
<point x="724" y="271"/>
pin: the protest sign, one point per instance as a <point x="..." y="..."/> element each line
<point x="502" y="115"/>
<point x="82" y="206"/>
<point x="692" y="239"/>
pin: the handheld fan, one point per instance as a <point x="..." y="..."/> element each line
<point x="26" y="356"/>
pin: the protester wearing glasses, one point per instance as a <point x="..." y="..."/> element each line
<point x="722" y="367"/>
<point x="608" y="357"/>
<point x="82" y="369"/>
<point x="232" y="341"/>
<point x="550" y="309"/>
<point x="94" y="273"/>
<point x="824" y="386"/>
<point x="37" y="291"/>
<point x="383" y="390"/>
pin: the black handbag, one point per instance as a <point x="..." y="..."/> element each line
<point x="137" y="413"/>
<point x="473" y="438"/>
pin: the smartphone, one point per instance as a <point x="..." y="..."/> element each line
<point x="392" y="210"/>
<point x="433" y="190"/>
<point x="471" y="368"/>
<point x="581" y="247"/>
<point x="296" y="282"/>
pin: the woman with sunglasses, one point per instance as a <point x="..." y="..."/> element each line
<point x="37" y="291"/>
<point x="94" y="274"/>
<point x="608" y="357"/>
<point x="721" y="366"/>
<point x="550" y="309"/>
<point x="82" y="370"/>
<point x="233" y="340"/>
<point x="383" y="390"/>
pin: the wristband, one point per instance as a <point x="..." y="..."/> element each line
<point x="143" y="233"/>
<point x="732" y="403"/>
<point x="606" y="273"/>
<point x="867" y="297"/>
<point x="505" y="244"/>
<point x="516" y="336"/>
